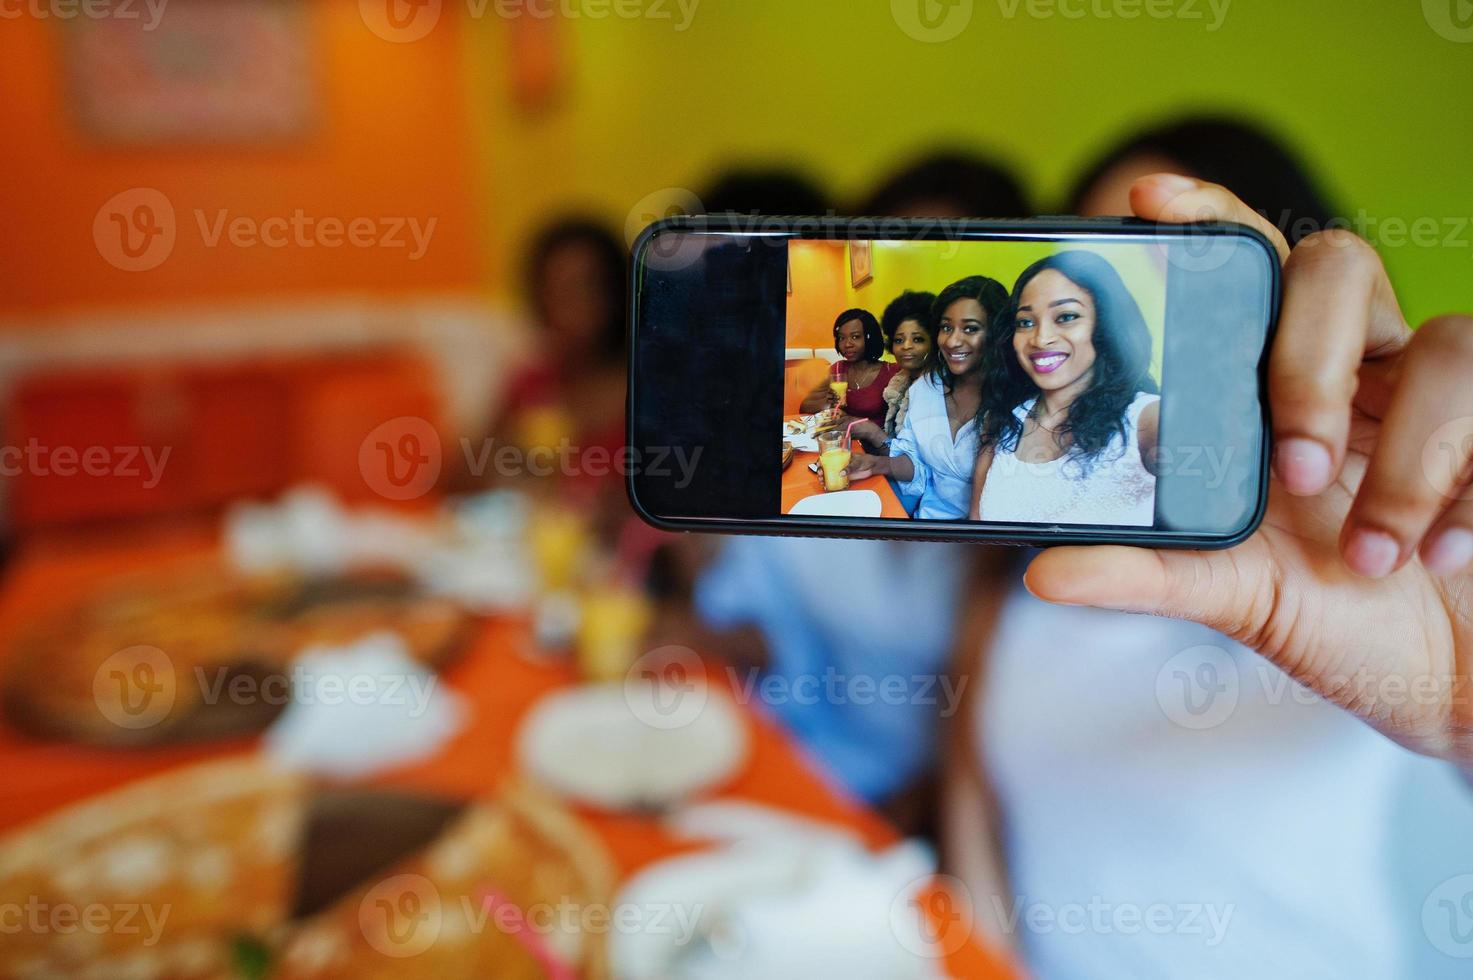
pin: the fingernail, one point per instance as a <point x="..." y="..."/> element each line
<point x="1303" y="465"/>
<point x="1371" y="553"/>
<point x="1451" y="551"/>
<point x="1175" y="183"/>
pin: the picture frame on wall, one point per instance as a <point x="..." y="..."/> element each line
<point x="214" y="71"/>
<point x="861" y="263"/>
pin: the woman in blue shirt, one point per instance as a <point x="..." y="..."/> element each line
<point x="935" y="451"/>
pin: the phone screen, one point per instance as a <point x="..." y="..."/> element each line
<point x="999" y="380"/>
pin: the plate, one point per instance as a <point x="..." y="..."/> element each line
<point x="845" y="503"/>
<point x="633" y="746"/>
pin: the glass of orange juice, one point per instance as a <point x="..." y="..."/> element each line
<point x="839" y="382"/>
<point x="833" y="459"/>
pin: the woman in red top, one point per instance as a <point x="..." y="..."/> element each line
<point x="860" y="342"/>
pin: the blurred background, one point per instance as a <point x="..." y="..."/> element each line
<point x="280" y="281"/>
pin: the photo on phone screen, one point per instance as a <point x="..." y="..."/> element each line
<point x="1003" y="381"/>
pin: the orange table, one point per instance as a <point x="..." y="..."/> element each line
<point x="501" y="675"/>
<point x="799" y="482"/>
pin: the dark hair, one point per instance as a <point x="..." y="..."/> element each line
<point x="1236" y="154"/>
<point x="972" y="185"/>
<point x="909" y="305"/>
<point x="611" y="257"/>
<point x="777" y="192"/>
<point x="874" y="340"/>
<point x="993" y="296"/>
<point x="1121" y="371"/>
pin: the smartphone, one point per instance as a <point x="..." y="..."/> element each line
<point x="845" y="377"/>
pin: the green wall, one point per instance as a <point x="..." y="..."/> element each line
<point x="1374" y="97"/>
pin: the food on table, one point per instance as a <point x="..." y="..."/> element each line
<point x="238" y="869"/>
<point x="179" y="872"/>
<point x="501" y="893"/>
<point x="152" y="658"/>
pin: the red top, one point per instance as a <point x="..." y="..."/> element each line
<point x="869" y="402"/>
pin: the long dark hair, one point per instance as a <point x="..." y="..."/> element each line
<point x="1247" y="160"/>
<point x="1121" y="371"/>
<point x="993" y="296"/>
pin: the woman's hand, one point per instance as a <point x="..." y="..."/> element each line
<point x="1357" y="584"/>
<point x="862" y="466"/>
<point x="872" y="436"/>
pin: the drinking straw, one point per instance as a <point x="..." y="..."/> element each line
<point x="849" y="430"/>
<point x="515" y="925"/>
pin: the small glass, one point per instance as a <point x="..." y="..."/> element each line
<point x="833" y="459"/>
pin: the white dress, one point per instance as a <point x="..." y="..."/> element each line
<point x="943" y="464"/>
<point x="1115" y="488"/>
<point x="1150" y="767"/>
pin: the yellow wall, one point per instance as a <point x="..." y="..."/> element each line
<point x="932" y="266"/>
<point x="1374" y="96"/>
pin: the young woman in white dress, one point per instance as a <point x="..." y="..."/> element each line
<point x="1069" y="416"/>
<point x="932" y="455"/>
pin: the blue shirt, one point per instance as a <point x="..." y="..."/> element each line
<point x="943" y="465"/>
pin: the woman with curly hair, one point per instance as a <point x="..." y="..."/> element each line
<point x="1068" y="422"/>
<point x="910" y="334"/>
<point x="932" y="454"/>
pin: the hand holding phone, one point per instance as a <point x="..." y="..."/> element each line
<point x="1357" y="584"/>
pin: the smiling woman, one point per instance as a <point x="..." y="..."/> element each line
<point x="1069" y="415"/>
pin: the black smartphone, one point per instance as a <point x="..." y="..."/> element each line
<point x="1039" y="382"/>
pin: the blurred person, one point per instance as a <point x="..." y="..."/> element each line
<point x="763" y="602"/>
<point x="934" y="454"/>
<point x="760" y="191"/>
<point x="948" y="184"/>
<point x="1069" y="409"/>
<point x="575" y="285"/>
<point x="1150" y="762"/>
<point x="860" y="343"/>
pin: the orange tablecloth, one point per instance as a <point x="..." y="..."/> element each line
<point x="500" y="675"/>
<point x="799" y="482"/>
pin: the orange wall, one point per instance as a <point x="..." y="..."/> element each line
<point x="390" y="141"/>
<point x="820" y="272"/>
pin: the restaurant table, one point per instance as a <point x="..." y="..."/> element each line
<point x="799" y="482"/>
<point x="501" y="675"/>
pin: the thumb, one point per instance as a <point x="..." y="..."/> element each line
<point x="1208" y="587"/>
<point x="1173" y="199"/>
